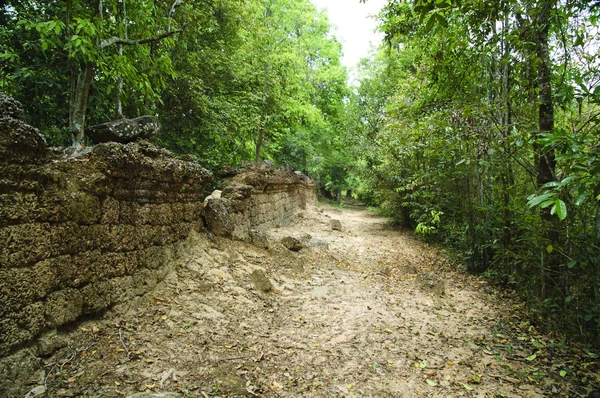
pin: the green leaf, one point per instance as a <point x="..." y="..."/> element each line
<point x="430" y="23"/>
<point x="561" y="209"/>
<point x="531" y="357"/>
<point x="551" y="184"/>
<point x="431" y="382"/>
<point x="549" y="249"/>
<point x="546" y="203"/>
<point x="423" y="364"/>
<point x="563" y="373"/>
<point x="534" y="200"/>
<point x="467" y="387"/>
<point x="571" y="264"/>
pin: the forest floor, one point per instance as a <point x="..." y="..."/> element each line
<point x="363" y="317"/>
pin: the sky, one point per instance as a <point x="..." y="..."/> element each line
<point x="353" y="26"/>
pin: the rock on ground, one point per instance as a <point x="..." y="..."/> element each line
<point x="292" y="243"/>
<point x="336" y="225"/>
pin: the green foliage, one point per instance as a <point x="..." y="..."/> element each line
<point x="234" y="81"/>
<point x="446" y="121"/>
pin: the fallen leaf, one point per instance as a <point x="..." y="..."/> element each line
<point x="563" y="373"/>
<point x="475" y="378"/>
<point x="431" y="382"/>
<point x="277" y="385"/>
<point x="467" y="387"/>
<point x="423" y="364"/>
<point x="531" y="357"/>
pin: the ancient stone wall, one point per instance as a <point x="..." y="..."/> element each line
<point x="259" y="197"/>
<point x="81" y="233"/>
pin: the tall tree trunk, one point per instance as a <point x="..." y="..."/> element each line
<point x="507" y="175"/>
<point x="259" y="142"/>
<point x="119" y="90"/>
<point x="546" y="162"/>
<point x="261" y="130"/>
<point x="80" y="91"/>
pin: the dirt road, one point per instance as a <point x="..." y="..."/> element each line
<point x="363" y="317"/>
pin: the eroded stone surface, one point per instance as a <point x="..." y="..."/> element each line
<point x="124" y="130"/>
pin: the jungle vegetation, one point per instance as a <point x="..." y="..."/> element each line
<point x="475" y="123"/>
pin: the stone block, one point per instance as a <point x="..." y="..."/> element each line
<point x="25" y="244"/>
<point x="63" y="306"/>
<point x="18" y="207"/>
<point x="96" y="296"/>
<point x="50" y="342"/>
<point x="110" y="211"/>
<point x="65" y="205"/>
<point x="217" y="217"/>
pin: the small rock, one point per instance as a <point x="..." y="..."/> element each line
<point x="313" y="242"/>
<point x="292" y="244"/>
<point x="216" y="194"/>
<point x="50" y="342"/>
<point x="336" y="225"/>
<point x="261" y="282"/>
<point x="258" y="238"/>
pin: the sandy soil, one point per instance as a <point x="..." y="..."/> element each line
<point x="350" y="320"/>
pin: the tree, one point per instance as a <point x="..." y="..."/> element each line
<point x="89" y="38"/>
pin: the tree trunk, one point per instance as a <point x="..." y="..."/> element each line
<point x="259" y="143"/>
<point x="80" y="90"/>
<point x="546" y="162"/>
<point x="261" y="130"/>
<point x="507" y="176"/>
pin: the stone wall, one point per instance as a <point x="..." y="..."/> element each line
<point x="81" y="233"/>
<point x="259" y="197"/>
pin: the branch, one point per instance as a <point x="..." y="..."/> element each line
<point x="117" y="40"/>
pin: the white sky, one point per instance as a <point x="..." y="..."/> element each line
<point x="353" y="26"/>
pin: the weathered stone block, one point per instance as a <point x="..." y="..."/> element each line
<point x="217" y="217"/>
<point x="61" y="206"/>
<point x="96" y="296"/>
<point x="24" y="244"/>
<point x="155" y="257"/>
<point x="110" y="211"/>
<point x="63" y="307"/>
<point x="18" y="207"/>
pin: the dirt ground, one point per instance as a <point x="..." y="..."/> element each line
<point x="377" y="313"/>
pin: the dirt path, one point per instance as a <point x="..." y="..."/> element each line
<point x="350" y="320"/>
